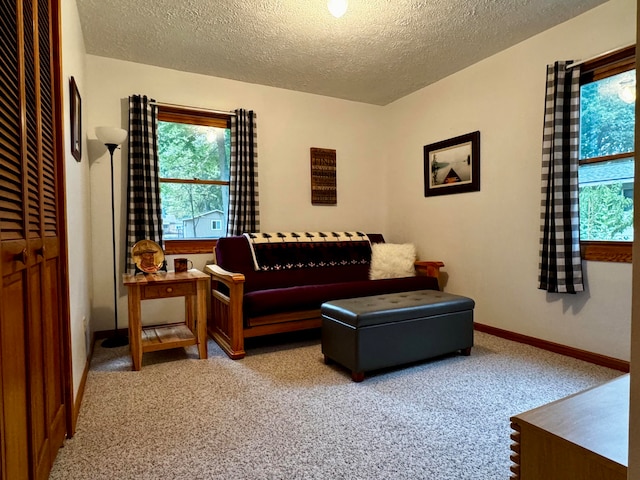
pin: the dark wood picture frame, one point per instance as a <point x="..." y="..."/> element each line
<point x="76" y="120"/>
<point x="452" y="166"/>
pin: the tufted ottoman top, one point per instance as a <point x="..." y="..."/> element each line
<point x="394" y="307"/>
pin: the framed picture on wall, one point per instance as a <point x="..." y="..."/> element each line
<point x="76" y="120"/>
<point x="452" y="166"/>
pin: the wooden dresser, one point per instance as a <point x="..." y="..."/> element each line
<point x="580" y="437"/>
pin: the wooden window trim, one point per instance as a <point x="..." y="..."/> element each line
<point x="607" y="251"/>
<point x="608" y="65"/>
<point x="618" y="156"/>
<point x="194" y="180"/>
<point x="202" y="245"/>
<point x="193" y="117"/>
<point x="602" y="67"/>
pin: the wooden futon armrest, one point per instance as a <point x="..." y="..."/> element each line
<point x="221" y="275"/>
<point x="428" y="268"/>
<point x="225" y="322"/>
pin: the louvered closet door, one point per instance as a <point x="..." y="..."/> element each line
<point x="31" y="340"/>
<point x="44" y="327"/>
<point x="13" y="245"/>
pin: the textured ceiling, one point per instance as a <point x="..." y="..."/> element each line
<point x="379" y="51"/>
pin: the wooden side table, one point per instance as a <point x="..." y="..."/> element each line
<point x="193" y="331"/>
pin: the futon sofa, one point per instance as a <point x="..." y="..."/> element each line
<point x="264" y="284"/>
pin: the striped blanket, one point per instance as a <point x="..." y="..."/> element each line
<point x="288" y="250"/>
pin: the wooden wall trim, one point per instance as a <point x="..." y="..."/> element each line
<point x="83" y="381"/>
<point x="595" y="358"/>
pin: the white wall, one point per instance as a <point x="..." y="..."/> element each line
<point x="289" y="124"/>
<point x="78" y="196"/>
<point x="489" y="240"/>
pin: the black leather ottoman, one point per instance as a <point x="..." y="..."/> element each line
<point x="369" y="333"/>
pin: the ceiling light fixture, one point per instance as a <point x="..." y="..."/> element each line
<point x="337" y="7"/>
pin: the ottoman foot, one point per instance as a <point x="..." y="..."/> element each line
<point x="466" y="351"/>
<point x="357" y="376"/>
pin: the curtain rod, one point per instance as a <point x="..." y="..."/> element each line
<point x="164" y="104"/>
<point x="575" y="64"/>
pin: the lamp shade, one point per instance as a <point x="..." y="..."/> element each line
<point x="111" y="135"/>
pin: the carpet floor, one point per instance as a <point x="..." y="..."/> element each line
<point x="281" y="413"/>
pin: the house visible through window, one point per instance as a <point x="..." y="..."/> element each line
<point x="193" y="155"/>
<point x="606" y="171"/>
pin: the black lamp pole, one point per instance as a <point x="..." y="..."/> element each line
<point x="116" y="340"/>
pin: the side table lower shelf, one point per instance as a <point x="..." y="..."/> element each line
<point x="161" y="337"/>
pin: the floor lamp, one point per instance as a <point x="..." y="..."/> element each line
<point x="112" y="137"/>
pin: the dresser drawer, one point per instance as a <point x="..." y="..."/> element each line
<point x="166" y="290"/>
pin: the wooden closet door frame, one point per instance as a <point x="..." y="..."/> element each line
<point x="56" y="37"/>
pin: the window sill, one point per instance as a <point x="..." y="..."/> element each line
<point x="175" y="247"/>
<point x="607" y="251"/>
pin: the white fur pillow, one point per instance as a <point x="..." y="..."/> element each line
<point x="392" y="260"/>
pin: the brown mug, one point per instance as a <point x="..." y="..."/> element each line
<point x="182" y="265"/>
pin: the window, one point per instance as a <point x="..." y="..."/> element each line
<point x="606" y="171"/>
<point x="193" y="155"/>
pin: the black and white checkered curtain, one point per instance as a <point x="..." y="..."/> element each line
<point x="560" y="268"/>
<point x="244" y="212"/>
<point x="144" y="216"/>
